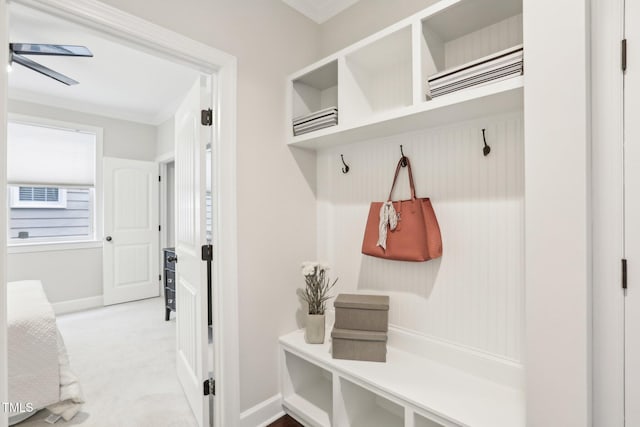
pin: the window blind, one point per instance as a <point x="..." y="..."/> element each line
<point x="49" y="156"/>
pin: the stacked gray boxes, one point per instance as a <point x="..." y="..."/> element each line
<point x="360" y="330"/>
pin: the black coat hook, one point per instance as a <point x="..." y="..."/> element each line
<point x="403" y="159"/>
<point x="345" y="169"/>
<point x="486" y="150"/>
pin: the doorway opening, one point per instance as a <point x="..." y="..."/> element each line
<point x="207" y="60"/>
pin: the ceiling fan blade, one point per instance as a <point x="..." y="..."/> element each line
<point x="49" y="49"/>
<point x="26" y="62"/>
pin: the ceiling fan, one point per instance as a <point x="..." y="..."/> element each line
<point x="17" y="50"/>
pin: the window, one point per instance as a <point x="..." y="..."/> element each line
<point x="52" y="176"/>
<point x="37" y="197"/>
<point x="69" y="218"/>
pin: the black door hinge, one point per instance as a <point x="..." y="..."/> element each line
<point x="159" y="228"/>
<point x="209" y="387"/>
<point x="624" y="55"/>
<point x="160" y="277"/>
<point x="624" y="273"/>
<point x="206" y="117"/>
<point x="159" y="178"/>
<point x="207" y="253"/>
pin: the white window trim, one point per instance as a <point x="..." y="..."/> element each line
<point x="15" y="202"/>
<point x="51" y="247"/>
<point x="40" y="245"/>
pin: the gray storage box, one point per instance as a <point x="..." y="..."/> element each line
<point x="362" y="312"/>
<point x="359" y="345"/>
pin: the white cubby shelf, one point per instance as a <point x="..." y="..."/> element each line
<point x="379" y="84"/>
<point x="409" y="390"/>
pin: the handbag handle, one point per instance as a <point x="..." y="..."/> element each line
<point x="395" y="178"/>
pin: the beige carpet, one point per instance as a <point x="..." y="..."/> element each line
<point x="124" y="356"/>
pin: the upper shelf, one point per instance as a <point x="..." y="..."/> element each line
<point x="500" y="97"/>
<point x="315" y="90"/>
<point x="379" y="84"/>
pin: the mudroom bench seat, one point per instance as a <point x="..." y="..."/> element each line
<point x="424" y="383"/>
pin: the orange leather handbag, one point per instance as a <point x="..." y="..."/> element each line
<point x="405" y="230"/>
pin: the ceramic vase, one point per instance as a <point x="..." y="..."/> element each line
<point x="314" y="332"/>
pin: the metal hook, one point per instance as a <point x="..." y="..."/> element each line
<point x="486" y="150"/>
<point x="403" y="159"/>
<point x="345" y="169"/>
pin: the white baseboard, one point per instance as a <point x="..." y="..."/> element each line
<point x="263" y="414"/>
<point x="72" y="306"/>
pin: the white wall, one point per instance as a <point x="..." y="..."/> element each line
<point x="127" y="140"/>
<point x="363" y="19"/>
<point x="66" y="274"/>
<point x="76" y="274"/>
<point x="557" y="188"/>
<point x="166" y="138"/>
<point x="276" y="203"/>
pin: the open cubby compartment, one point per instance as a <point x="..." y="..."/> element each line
<point x="468" y="30"/>
<point x="378" y="77"/>
<point x="315" y="90"/>
<point x="360" y="407"/>
<point x="307" y="390"/>
<point x="421" y="421"/>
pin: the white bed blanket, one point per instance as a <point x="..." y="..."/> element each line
<point x="71" y="398"/>
<point x="39" y="370"/>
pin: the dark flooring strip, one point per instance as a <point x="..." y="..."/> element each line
<point x="285" y="421"/>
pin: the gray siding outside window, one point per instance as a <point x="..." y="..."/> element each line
<point x="74" y="221"/>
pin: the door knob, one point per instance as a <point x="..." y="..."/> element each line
<point x="108" y="238"/>
<point x="172" y="258"/>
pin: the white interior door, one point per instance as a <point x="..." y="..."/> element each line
<point x="130" y="262"/>
<point x="632" y="214"/>
<point x="190" y="235"/>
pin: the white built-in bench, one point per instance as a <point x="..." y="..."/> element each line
<point x="424" y="383"/>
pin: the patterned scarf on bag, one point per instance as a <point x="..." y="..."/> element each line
<point x="388" y="217"/>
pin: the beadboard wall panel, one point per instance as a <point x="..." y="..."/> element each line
<point x="391" y="87"/>
<point x="474" y="295"/>
<point x="375" y="90"/>
<point x="483" y="42"/>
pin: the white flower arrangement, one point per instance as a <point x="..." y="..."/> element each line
<point x="316" y="292"/>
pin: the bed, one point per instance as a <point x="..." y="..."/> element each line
<point x="39" y="372"/>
